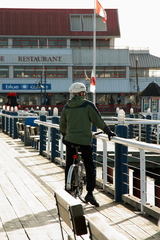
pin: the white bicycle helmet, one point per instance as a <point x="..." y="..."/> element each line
<point x="77" y="87"/>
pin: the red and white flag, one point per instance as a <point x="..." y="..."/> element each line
<point x="92" y="83"/>
<point x="100" y="11"/>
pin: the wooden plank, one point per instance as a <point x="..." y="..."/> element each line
<point x="32" y="180"/>
<point x="24" y="203"/>
<point x="101" y="230"/>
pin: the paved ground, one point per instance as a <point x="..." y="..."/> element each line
<point x="27" y="203"/>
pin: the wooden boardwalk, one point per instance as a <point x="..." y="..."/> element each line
<point x="27" y="203"/>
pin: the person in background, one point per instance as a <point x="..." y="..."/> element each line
<point x="118" y="99"/>
<point x="12" y="100"/>
<point x="76" y="121"/>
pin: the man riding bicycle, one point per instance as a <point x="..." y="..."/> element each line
<point x="76" y="121"/>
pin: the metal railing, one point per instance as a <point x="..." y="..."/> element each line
<point x="139" y="174"/>
<point x="145" y="130"/>
<point x="124" y="164"/>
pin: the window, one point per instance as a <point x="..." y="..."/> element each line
<point x="141" y="72"/>
<point x="75" y="23"/>
<point x="100" y="43"/>
<point x="60" y="99"/>
<point x="78" y="43"/>
<point x="3" y="42"/>
<point x="154" y="106"/>
<point x="75" y="43"/>
<point x="101" y="72"/>
<point x="79" y="72"/>
<point x="86" y="43"/>
<point x="39" y="42"/>
<point x="25" y="42"/>
<point x="57" y="71"/>
<point x="110" y="72"/>
<point x="100" y="25"/>
<point x="37" y="71"/>
<point x="145" y="104"/>
<point x="85" y="22"/>
<point x="43" y="42"/>
<point x="57" y="42"/>
<point x="110" y="99"/>
<point x="28" y="99"/>
<point x="2" y="99"/>
<point x="4" y="72"/>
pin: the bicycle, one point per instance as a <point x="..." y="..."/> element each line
<point x="76" y="178"/>
<point x="76" y="175"/>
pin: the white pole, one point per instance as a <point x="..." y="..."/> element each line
<point x="104" y="163"/>
<point x="142" y="178"/>
<point x="94" y="48"/>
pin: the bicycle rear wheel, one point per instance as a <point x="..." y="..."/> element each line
<point x="76" y="180"/>
<point x="72" y="180"/>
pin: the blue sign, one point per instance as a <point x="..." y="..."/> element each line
<point x="15" y="87"/>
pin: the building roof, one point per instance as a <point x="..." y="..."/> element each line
<point x="145" y="60"/>
<point x="51" y="22"/>
<point x="151" y="90"/>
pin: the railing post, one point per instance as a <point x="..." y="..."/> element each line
<point x="142" y="178"/>
<point x="105" y="163"/>
<point x="131" y="134"/>
<point x="148" y="129"/>
<point x="117" y="110"/>
<point x="42" y="135"/>
<point x="49" y="111"/>
<point x="15" y="131"/>
<point x="32" y="110"/>
<point x="6" y="122"/>
<point x="94" y="144"/>
<point x="3" y="120"/>
<point x="49" y="141"/>
<point x="121" y="160"/>
<point x="10" y="124"/>
<point x="158" y="134"/>
<point x="121" y="165"/>
<point x="61" y="149"/>
<point x="55" y="141"/>
<point x="140" y="132"/>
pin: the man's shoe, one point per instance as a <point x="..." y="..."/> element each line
<point x="89" y="198"/>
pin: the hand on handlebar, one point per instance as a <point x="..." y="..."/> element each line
<point x="109" y="132"/>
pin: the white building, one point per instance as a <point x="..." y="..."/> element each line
<point x="54" y="48"/>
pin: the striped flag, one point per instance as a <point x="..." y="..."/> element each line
<point x="100" y="11"/>
<point x="92" y="83"/>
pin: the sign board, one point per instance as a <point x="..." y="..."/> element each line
<point x="20" y="86"/>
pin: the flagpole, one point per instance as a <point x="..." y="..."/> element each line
<point x="94" y="49"/>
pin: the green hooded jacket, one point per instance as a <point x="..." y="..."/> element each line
<point x="77" y="118"/>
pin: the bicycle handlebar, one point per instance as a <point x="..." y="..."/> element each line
<point x="97" y="133"/>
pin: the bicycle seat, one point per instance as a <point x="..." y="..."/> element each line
<point x="75" y="146"/>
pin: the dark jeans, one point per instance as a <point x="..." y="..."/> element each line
<point x="88" y="163"/>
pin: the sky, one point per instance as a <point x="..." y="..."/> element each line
<point x="138" y="20"/>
